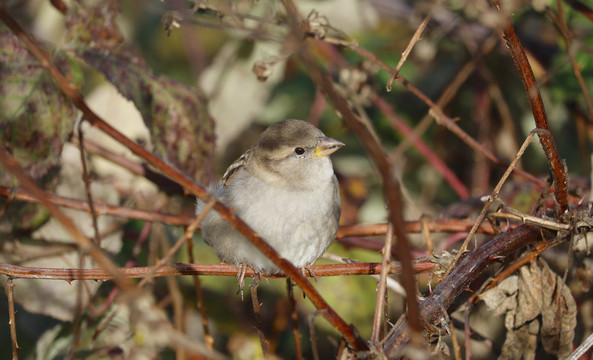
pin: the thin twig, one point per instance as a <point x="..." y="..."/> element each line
<point x="432" y="225"/>
<point x="265" y="346"/>
<point x="415" y="38"/>
<point x="200" y="305"/>
<point x="164" y="184"/>
<point x="455" y="343"/>
<point x="77" y="320"/>
<point x="467" y="331"/>
<point x="104" y="324"/>
<point x="376" y="328"/>
<point x="101" y="209"/>
<point x="582" y="349"/>
<point x="11" y="318"/>
<point x="447" y="95"/>
<point x="426" y="234"/>
<point x="391" y="186"/>
<point x="132" y="260"/>
<point x="439" y="165"/>
<point x="492" y="197"/>
<point x="561" y="23"/>
<point x="294" y="318"/>
<point x="503" y="109"/>
<point x="178" y="312"/>
<point x="87" y="184"/>
<point x="313" y="335"/>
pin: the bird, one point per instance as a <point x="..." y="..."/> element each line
<point x="285" y="189"/>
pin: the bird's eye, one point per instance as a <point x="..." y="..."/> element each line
<point x="299" y="151"/>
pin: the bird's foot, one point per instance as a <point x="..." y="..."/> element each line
<point x="241" y="278"/>
<point x="308" y="269"/>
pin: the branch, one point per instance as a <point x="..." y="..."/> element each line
<point x="102" y="209"/>
<point x="557" y="167"/>
<point x="473" y="265"/>
<point x="27" y="272"/>
<point x="12" y="319"/>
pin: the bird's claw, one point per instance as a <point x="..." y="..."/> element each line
<point x="308" y="269"/>
<point x="241" y="278"/>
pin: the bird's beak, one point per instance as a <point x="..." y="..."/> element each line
<point x="327" y="146"/>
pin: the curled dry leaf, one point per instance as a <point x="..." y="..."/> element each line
<point x="537" y="304"/>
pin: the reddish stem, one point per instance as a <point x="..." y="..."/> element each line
<point x="557" y="167"/>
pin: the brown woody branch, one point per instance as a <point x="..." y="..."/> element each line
<point x="27" y="272"/>
<point x="557" y="167"/>
<point x="474" y="264"/>
<point x="581" y="8"/>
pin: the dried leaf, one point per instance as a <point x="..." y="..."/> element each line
<point x="584" y="274"/>
<point x="542" y="307"/>
<point x="502" y="298"/>
<point x="558" y="315"/>
<point x="521" y="343"/>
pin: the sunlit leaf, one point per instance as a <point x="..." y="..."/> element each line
<point x="175" y="114"/>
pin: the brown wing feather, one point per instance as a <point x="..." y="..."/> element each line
<point x="235" y="166"/>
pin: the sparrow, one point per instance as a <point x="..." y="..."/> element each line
<point x="284" y="188"/>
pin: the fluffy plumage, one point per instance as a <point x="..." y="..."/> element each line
<point x="284" y="187"/>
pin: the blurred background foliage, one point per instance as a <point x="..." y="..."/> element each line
<point x="208" y="63"/>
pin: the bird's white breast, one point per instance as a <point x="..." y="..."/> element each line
<point x="299" y="224"/>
